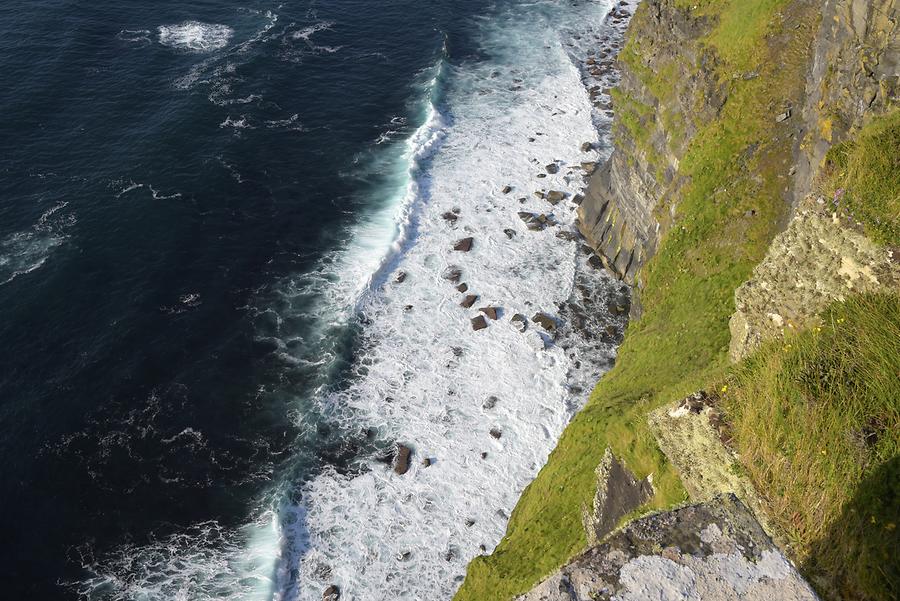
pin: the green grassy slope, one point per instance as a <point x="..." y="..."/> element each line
<point x="726" y="217"/>
<point x="816" y="422"/>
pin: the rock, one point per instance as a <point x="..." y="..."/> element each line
<point x="545" y="321"/>
<point x="462" y="287"/>
<point x="783" y="116"/>
<point x="507" y="189"/>
<point x="452" y="273"/>
<point x="541" y="175"/>
<point x="489" y="403"/>
<point x="450" y="217"/>
<point x="540" y="195"/>
<point x="618" y="493"/>
<point x="520" y="322"/>
<point x="484" y="454"/>
<point x="555" y="196"/>
<point x="715" y="551"/>
<point x="464" y="245"/>
<point x="401" y="277"/>
<point x="510" y="233"/>
<point x="568" y="235"/>
<point x="578" y="199"/>
<point x="401" y="459"/>
<point x="526" y="216"/>
<point x="426" y="462"/>
<point x="589" y="167"/>
<point x="479" y="323"/>
<point x="587" y="146"/>
<point x="596" y="262"/>
<point x="552" y="168"/>
<point x="496" y="433"/>
<point x="491" y="312"/>
<point x="331" y="593"/>
<point x="468" y="301"/>
<point x="470" y="522"/>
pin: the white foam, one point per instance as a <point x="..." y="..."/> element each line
<point x="424" y="375"/>
<point x="26" y="251"/>
<point x="195" y="36"/>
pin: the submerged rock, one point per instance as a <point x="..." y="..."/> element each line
<point x="520" y="322"/>
<point x="331" y="593"/>
<point x="491" y="312"/>
<point x="468" y="301"/>
<point x="545" y="321"/>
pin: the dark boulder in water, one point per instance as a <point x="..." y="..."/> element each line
<point x="479" y="323"/>
<point x="507" y="189"/>
<point x="464" y="245"/>
<point x="401" y="459"/>
<point x="545" y="321"/>
<point x="552" y="168"/>
<point x="468" y="301"/>
<point x="555" y="196"/>
<point x="462" y="287"/>
<point x="520" y="321"/>
<point x="491" y="312"/>
<point x="332" y="593"/>
<point x="452" y="273"/>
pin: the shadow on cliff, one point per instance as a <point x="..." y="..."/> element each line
<point x="859" y="558"/>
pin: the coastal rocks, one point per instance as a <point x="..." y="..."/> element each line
<point x="552" y="168"/>
<point x="618" y="493"/>
<point x="520" y="322"/>
<point x="507" y="189"/>
<point x="450" y="217"/>
<point x="554" y="197"/>
<point x="491" y="312"/>
<point x="401" y="459"/>
<point x="401" y="277"/>
<point x="587" y="146"/>
<point x="814" y="262"/>
<point x="462" y="287"/>
<point x="489" y="403"/>
<point x="331" y="593"/>
<point x="468" y="301"/>
<point x="496" y="433"/>
<point x="589" y="167"/>
<point x="715" y="551"/>
<point x="510" y="233"/>
<point x="545" y="321"/>
<point x="452" y="273"/>
<point x="464" y="245"/>
<point x="479" y="323"/>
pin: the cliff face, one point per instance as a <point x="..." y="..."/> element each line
<point x="631" y="199"/>
<point x="853" y="77"/>
<point x="715" y="198"/>
<point x="620" y="216"/>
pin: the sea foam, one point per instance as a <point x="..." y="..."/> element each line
<point x="195" y="36"/>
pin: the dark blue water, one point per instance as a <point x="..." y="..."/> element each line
<point x="155" y="194"/>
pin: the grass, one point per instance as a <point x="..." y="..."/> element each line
<point x="866" y="178"/>
<point x="681" y="341"/>
<point x="816" y="423"/>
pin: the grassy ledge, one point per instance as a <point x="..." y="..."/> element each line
<point x="816" y="422"/>
<point x="726" y="218"/>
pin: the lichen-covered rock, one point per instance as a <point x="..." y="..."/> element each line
<point x="714" y="551"/>
<point x="816" y="261"/>
<point x="687" y="434"/>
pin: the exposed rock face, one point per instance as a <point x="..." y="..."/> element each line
<point x="855" y="75"/>
<point x="618" y="493"/>
<point x="715" y="551"/>
<point x="618" y="215"/>
<point x="816" y="261"/>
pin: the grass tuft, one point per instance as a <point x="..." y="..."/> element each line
<point x="866" y="178"/>
<point x="816" y="422"/>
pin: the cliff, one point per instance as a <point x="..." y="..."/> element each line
<point x="753" y="201"/>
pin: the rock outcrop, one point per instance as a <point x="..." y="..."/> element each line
<point x="710" y="552"/>
<point x="854" y="76"/>
<point x="618" y="494"/>
<point x="620" y="214"/>
<point x="816" y="261"/>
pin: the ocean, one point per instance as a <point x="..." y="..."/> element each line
<point x="230" y="289"/>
